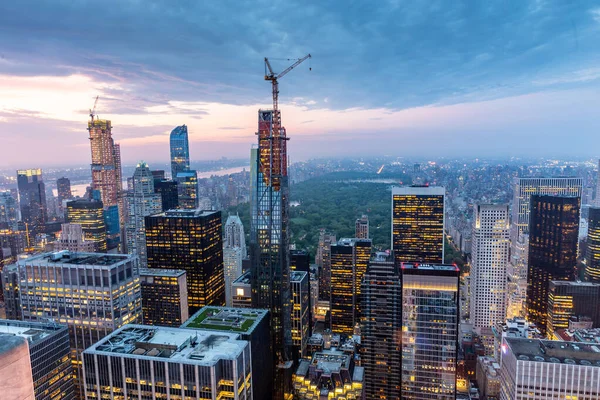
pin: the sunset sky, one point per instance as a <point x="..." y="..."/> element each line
<point x="407" y="78"/>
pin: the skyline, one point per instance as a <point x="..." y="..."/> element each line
<point x="410" y="79"/>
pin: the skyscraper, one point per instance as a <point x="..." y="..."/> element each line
<point x="190" y="240"/>
<point x="168" y="191"/>
<point x="51" y="288"/>
<point x="180" y="152"/>
<point x="32" y="198"/>
<point x="234" y="234"/>
<point x="299" y="260"/>
<point x="300" y="311"/>
<point x="349" y="260"/>
<point x="187" y="187"/>
<point x="105" y="162"/>
<point x="323" y="260"/>
<point x="232" y="267"/>
<point x="489" y="255"/>
<point x="9" y="214"/>
<point x="381" y="331"/>
<point x="90" y="216"/>
<point x="63" y="189"/>
<point x="164" y="296"/>
<point x="142" y="202"/>
<point x="418" y="224"/>
<point x="568" y="299"/>
<point x="73" y="238"/>
<point x="269" y="241"/>
<point x="429" y="331"/>
<point x="362" y="227"/>
<point x="553" y="240"/>
<point x="592" y="253"/>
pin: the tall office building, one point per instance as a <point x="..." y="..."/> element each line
<point x="142" y="202"/>
<point x="362" y="227"/>
<point x="180" y="151"/>
<point x="349" y="261"/>
<point x="32" y="198"/>
<point x="90" y="216"/>
<point x="49" y="354"/>
<point x="190" y="240"/>
<point x="141" y="361"/>
<point x="234" y="234"/>
<point x="187" y="187"/>
<point x="63" y="189"/>
<point x="300" y="311"/>
<point x="429" y="331"/>
<point x="9" y="210"/>
<point x="10" y="291"/>
<point x="323" y="260"/>
<point x="553" y="240"/>
<point x="164" y="296"/>
<point x="232" y="267"/>
<point x="568" y="299"/>
<point x="490" y="252"/>
<point x="168" y="193"/>
<point x="269" y="241"/>
<point x="73" y="238"/>
<point x="106" y="162"/>
<point x="548" y="370"/>
<point x="418" y="224"/>
<point x="592" y="253"/>
<point x="380" y="331"/>
<point x="299" y="260"/>
<point x="51" y="288"/>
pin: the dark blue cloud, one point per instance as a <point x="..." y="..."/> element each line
<point x="393" y="54"/>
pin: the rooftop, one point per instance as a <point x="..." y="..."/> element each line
<point x="575" y="283"/>
<point x="244" y="278"/>
<point x="579" y="335"/>
<point x="186" y="213"/>
<point x="161" y="272"/>
<point x="418" y="190"/>
<point x="67" y="257"/>
<point x="188" y="346"/>
<point x="32" y="331"/>
<point x="430" y="267"/>
<point x="537" y="350"/>
<point x="226" y="319"/>
<point x="297" y="276"/>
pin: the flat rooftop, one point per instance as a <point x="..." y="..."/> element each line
<point x="186" y="213"/>
<point x="330" y="361"/>
<point x="161" y="272"/>
<point x="418" y="190"/>
<point x="32" y="331"/>
<point x="187" y="346"/>
<point x="243" y="279"/>
<point x="558" y="352"/>
<point x="226" y="319"/>
<point x="67" y="257"/>
<point x="297" y="276"/>
<point x="575" y="284"/>
<point x="429" y="267"/>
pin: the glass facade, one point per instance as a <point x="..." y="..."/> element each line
<point x="168" y="193"/>
<point x="418" y="224"/>
<point x="553" y="241"/>
<point x="32" y="198"/>
<point x="90" y="215"/>
<point x="300" y="310"/>
<point x="190" y="240"/>
<point x="323" y="260"/>
<point x="187" y="188"/>
<point x="572" y="299"/>
<point x="164" y="296"/>
<point x="429" y="331"/>
<point x="180" y="152"/>
<point x="592" y="254"/>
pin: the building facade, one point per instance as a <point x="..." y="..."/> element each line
<point x="300" y="311"/>
<point x="234" y="234"/>
<point x="168" y="193"/>
<point x="430" y="319"/>
<point x="159" y="362"/>
<point x="190" y="240"/>
<point x="164" y="296"/>
<point x="16" y="379"/>
<point x="32" y="198"/>
<point x="568" y="299"/>
<point x="232" y="267"/>
<point x="362" y="228"/>
<point x="187" y="188"/>
<point x="592" y="253"/>
<point x="490" y="256"/>
<point x="63" y="189"/>
<point x="323" y="260"/>
<point x="89" y="215"/>
<point x="180" y="151"/>
<point x="553" y="241"/>
<point x="72" y="238"/>
<point x="51" y="287"/>
<point x="242" y="292"/>
<point x="349" y="261"/>
<point x="49" y="354"/>
<point x="380" y="331"/>
<point x="418" y="224"/>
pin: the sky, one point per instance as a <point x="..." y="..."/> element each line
<point x="420" y="78"/>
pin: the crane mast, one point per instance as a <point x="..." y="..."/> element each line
<point x="93" y="110"/>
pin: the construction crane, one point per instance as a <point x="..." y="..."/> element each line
<point x="93" y="110"/>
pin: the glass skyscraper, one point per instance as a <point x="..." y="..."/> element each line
<point x="32" y="198"/>
<point x="90" y="215"/>
<point x="180" y="151"/>
<point x="592" y="254"/>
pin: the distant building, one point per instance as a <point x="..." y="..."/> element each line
<point x="349" y="260"/>
<point x="16" y="378"/>
<point x="362" y="228"/>
<point x="544" y="369"/>
<point x="567" y="299"/>
<point x="49" y="355"/>
<point x="553" y="241"/>
<point x="300" y="310"/>
<point x="72" y="238"/>
<point x="142" y="202"/>
<point x="330" y="374"/>
<point x="63" y="189"/>
<point x="187" y="188"/>
<point x="184" y="363"/>
<point x="32" y="198"/>
<point x="90" y="216"/>
<point x="168" y="194"/>
<point x="592" y="254"/>
<point x="9" y="210"/>
<point x="418" y="224"/>
<point x="164" y="296"/>
<point x="323" y="260"/>
<point x="380" y="330"/>
<point x="429" y="330"/>
<point x="234" y="251"/>
<point x="180" y="152"/>
<point x="51" y="279"/>
<point x="234" y="234"/>
<point x="488" y="269"/>
<point x="242" y="292"/>
<point x="190" y="240"/>
<point x="10" y="292"/>
<point x="252" y="325"/>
